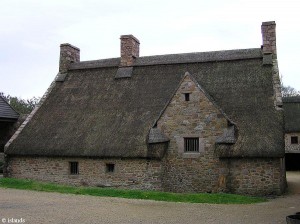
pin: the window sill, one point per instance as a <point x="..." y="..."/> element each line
<point x="190" y="155"/>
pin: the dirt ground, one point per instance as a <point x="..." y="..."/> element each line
<point x="41" y="207"/>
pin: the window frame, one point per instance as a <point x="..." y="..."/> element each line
<point x="191" y="145"/>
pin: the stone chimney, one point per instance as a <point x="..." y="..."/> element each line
<point x="268" y="30"/>
<point x="68" y="55"/>
<point x="130" y="50"/>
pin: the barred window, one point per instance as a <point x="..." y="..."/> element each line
<point x="191" y="144"/>
<point x="294" y="140"/>
<point x="74" y="168"/>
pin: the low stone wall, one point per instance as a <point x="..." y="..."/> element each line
<point x="261" y="176"/>
<point x="241" y="176"/>
<point x="257" y="176"/>
<point x="128" y="173"/>
<point x="204" y="174"/>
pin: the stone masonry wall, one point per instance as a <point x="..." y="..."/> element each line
<point x="261" y="176"/>
<point x="128" y="173"/>
<point x="288" y="145"/>
<point x="198" y="117"/>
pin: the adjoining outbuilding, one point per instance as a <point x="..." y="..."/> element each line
<point x="194" y="122"/>
<point x="291" y="107"/>
<point x="8" y="119"/>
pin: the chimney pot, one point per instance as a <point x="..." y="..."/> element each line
<point x="68" y="55"/>
<point x="130" y="49"/>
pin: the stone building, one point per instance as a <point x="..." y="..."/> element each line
<point x="8" y="120"/>
<point x="291" y="106"/>
<point x="194" y="122"/>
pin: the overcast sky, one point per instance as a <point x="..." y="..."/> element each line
<point x="32" y="30"/>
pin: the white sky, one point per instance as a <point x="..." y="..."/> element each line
<point x="32" y="30"/>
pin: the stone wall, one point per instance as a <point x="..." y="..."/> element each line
<point x="260" y="176"/>
<point x="241" y="176"/>
<point x="200" y="118"/>
<point x="128" y="173"/>
<point x="288" y="145"/>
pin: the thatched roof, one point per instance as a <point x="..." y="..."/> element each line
<point x="97" y="110"/>
<point x="291" y="106"/>
<point x="7" y="113"/>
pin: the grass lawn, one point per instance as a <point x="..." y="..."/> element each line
<point x="219" y="198"/>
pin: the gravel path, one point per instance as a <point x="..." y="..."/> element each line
<point x="41" y="207"/>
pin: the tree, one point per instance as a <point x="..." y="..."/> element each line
<point x="20" y="105"/>
<point x="288" y="91"/>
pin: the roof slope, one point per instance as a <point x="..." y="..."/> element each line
<point x="6" y="111"/>
<point x="291" y="106"/>
<point x="93" y="114"/>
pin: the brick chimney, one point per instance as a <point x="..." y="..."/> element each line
<point x="130" y="50"/>
<point x="268" y="30"/>
<point x="68" y="55"/>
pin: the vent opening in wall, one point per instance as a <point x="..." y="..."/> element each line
<point x="74" y="168"/>
<point x="187" y="96"/>
<point x="191" y="144"/>
<point x="294" y="140"/>
<point x="110" y="167"/>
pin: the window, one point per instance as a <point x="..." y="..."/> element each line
<point x="110" y="167"/>
<point x="191" y="144"/>
<point x="187" y="97"/>
<point x="74" y="168"/>
<point x="294" y="140"/>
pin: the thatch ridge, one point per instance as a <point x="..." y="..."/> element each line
<point x="226" y="55"/>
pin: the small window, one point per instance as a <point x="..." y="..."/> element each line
<point x="74" y="168"/>
<point x="294" y="140"/>
<point x="110" y="167"/>
<point x="187" y="97"/>
<point x="191" y="144"/>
